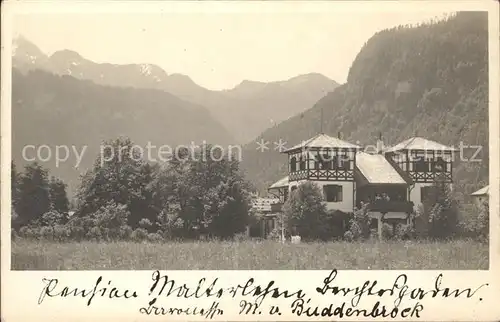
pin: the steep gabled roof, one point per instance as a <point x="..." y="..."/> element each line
<point x="418" y="143"/>
<point x="324" y="141"/>
<point x="482" y="191"/>
<point x="281" y="183"/>
<point x="377" y="170"/>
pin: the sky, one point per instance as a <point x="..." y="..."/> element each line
<point x="218" y="50"/>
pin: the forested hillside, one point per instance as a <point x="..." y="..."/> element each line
<point x="429" y="80"/>
<point x="61" y="110"/>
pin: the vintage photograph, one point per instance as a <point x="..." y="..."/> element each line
<point x="250" y="140"/>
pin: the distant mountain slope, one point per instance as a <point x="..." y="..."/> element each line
<point x="430" y="80"/>
<point x="61" y="110"/>
<point x="245" y="111"/>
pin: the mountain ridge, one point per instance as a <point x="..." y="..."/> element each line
<point x="402" y="83"/>
<point x="244" y="111"/>
<point x="55" y="110"/>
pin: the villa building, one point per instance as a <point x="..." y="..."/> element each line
<point x="392" y="181"/>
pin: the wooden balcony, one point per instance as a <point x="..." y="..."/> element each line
<point x="384" y="206"/>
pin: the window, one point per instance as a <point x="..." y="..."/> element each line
<point x="427" y="193"/>
<point x="302" y="163"/>
<point x="293" y="164"/>
<point x="333" y="193"/>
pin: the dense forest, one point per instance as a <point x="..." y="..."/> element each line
<point x="429" y="80"/>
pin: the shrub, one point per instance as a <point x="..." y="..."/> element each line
<point x="239" y="237"/>
<point x="483" y="221"/>
<point x="171" y="225"/>
<point x="145" y="223"/>
<point x="125" y="232"/>
<point x="94" y="234"/>
<point x="47" y="232"/>
<point x="62" y="233"/>
<point x="52" y="218"/>
<point x="26" y="232"/>
<point x="421" y="222"/>
<point x="154" y="237"/>
<point x="306" y="214"/>
<point x="359" y="225"/>
<point x="404" y="231"/>
<point x="76" y="232"/>
<point x="387" y="231"/>
<point x="442" y="214"/>
<point x="140" y="234"/>
<point x="275" y="234"/>
<point x="106" y="222"/>
<point x="475" y="223"/>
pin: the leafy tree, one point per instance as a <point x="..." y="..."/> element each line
<point x="306" y="212"/>
<point x="120" y="176"/>
<point x="173" y="197"/>
<point x="204" y="193"/>
<point x="34" y="198"/>
<point x="483" y="220"/>
<point x="441" y="211"/>
<point x="359" y="224"/>
<point x="58" y="198"/>
<point x="53" y="218"/>
<point x="476" y="222"/>
<point x="221" y="194"/>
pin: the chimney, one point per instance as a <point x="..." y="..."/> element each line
<point x="380" y="143"/>
<point x="339" y="136"/>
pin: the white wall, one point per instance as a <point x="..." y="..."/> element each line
<point x="347" y="203"/>
<point x="415" y="195"/>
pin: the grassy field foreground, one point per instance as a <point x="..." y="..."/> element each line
<point x="35" y="255"/>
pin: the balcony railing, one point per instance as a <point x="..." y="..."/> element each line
<point x="391" y="206"/>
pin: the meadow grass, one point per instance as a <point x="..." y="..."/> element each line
<point x="252" y="255"/>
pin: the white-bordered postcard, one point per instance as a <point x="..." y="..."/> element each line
<point x="250" y="161"/>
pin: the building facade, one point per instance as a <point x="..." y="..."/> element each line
<point x="392" y="181"/>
